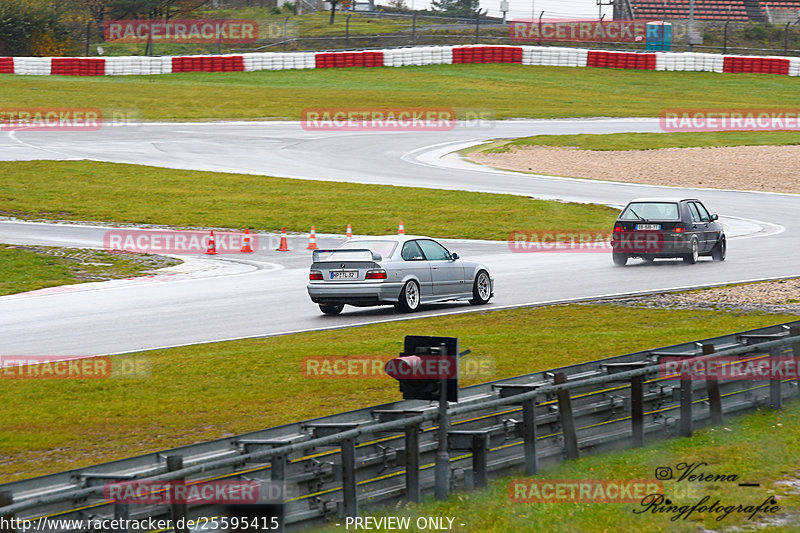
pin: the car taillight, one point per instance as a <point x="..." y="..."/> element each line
<point x="376" y="274"/>
<point x="618" y="228"/>
<point x="679" y="229"/>
<point x="315" y="275"/>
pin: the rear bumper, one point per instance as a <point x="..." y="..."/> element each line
<point x="357" y="294"/>
<point x="672" y="246"/>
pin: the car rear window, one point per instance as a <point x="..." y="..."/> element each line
<point x="650" y="211"/>
<point x="385" y="248"/>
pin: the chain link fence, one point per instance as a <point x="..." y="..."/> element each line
<point x="353" y="31"/>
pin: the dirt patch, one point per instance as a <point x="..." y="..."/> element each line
<point x="753" y="168"/>
<point x="96" y="265"/>
<point x="781" y="297"/>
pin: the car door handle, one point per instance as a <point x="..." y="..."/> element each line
<point x="435" y="268"/>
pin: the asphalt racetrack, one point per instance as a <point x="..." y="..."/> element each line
<point x="225" y="297"/>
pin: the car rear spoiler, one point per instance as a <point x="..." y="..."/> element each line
<point x="315" y="256"/>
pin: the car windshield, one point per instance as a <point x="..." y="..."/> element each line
<point x="385" y="248"/>
<point x="650" y="211"/>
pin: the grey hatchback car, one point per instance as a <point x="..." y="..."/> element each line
<point x="650" y="228"/>
<point x="401" y="270"/>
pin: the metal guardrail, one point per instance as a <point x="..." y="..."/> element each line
<point x="385" y="453"/>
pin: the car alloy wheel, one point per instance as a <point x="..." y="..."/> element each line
<point x="409" y="297"/>
<point x="481" y="289"/>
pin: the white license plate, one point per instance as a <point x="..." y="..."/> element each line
<point x="344" y="274"/>
<point x="648" y="226"/>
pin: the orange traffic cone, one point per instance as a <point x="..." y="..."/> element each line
<point x="402" y="229"/>
<point x="284" y="247"/>
<point x="246" y="249"/>
<point x="312" y="240"/>
<point x="212" y="246"/>
<point x="349" y="234"/>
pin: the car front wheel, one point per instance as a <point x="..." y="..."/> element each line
<point x="719" y="250"/>
<point x="481" y="289"/>
<point x="409" y="297"/>
<point x="331" y="309"/>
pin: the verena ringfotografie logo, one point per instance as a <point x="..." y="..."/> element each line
<point x="731" y="368"/>
<point x="175" y="241"/>
<point x="50" y="118"/>
<point x="378" y="119"/>
<point x="181" y="31"/>
<point x="559" y="241"/>
<point x="689" y="120"/>
<point x="73" y="367"/>
<point x="582" y="490"/>
<point x="414" y="367"/>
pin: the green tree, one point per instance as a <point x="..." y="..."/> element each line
<point x="26" y="24"/>
<point x="456" y="8"/>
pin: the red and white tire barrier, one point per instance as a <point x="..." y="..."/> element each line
<point x="399" y="57"/>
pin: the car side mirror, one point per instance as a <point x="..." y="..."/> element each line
<point x="376" y="256"/>
<point x="714" y="217"/>
<point x="454" y="256"/>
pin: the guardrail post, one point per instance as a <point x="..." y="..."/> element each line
<point x="121" y="515"/>
<point x="277" y="474"/>
<point x="277" y="469"/>
<point x="442" y="464"/>
<point x="637" y="411"/>
<point x="6" y="499"/>
<point x="480" y="460"/>
<point x="712" y="387"/>
<point x="794" y="331"/>
<point x="775" y="383"/>
<point x="529" y="436"/>
<point x="567" y="420"/>
<point x="686" y="406"/>
<point x="179" y="515"/>
<point x="349" y="477"/>
<point x="412" y="463"/>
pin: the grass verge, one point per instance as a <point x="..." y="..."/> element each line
<point x="27" y="268"/>
<point x="738" y="447"/>
<point x="85" y="190"/>
<point x="270" y="25"/>
<point x="651" y="141"/>
<point x="506" y="90"/>
<point x="197" y="393"/>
